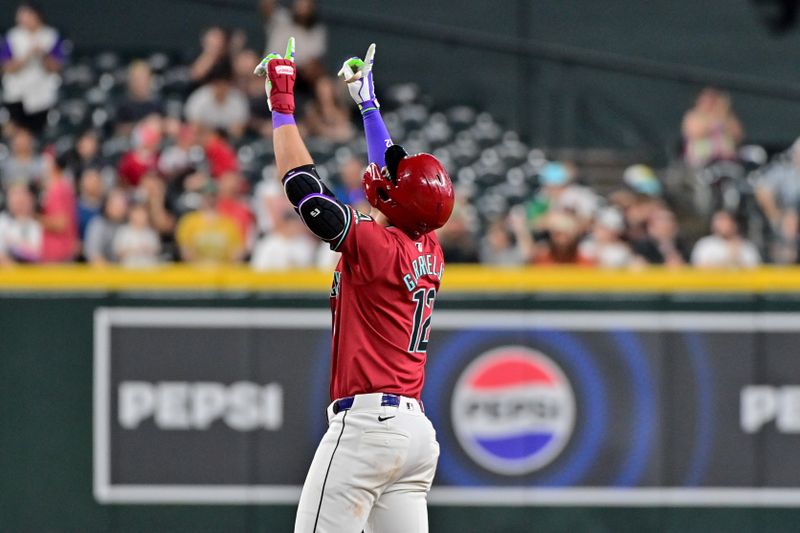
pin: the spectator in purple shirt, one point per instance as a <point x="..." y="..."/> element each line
<point x="32" y="55"/>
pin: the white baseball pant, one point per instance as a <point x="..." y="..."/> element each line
<point x="372" y="470"/>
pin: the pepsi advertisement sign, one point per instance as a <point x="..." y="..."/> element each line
<point x="530" y="408"/>
<point x="513" y="410"/>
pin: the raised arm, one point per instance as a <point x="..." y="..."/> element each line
<point x="357" y="73"/>
<point x="280" y="73"/>
<point x="322" y="213"/>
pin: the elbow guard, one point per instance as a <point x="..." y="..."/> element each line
<point x="326" y="217"/>
<point x="303" y="181"/>
<point x="322" y="213"/>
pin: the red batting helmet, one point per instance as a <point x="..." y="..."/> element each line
<point x="414" y="192"/>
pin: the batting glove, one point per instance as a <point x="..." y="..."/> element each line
<point x="357" y="73"/>
<point x="280" y="72"/>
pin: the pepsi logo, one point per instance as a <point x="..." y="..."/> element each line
<point x="513" y="410"/>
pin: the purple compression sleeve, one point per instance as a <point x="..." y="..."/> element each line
<point x="281" y="119"/>
<point x="378" y="138"/>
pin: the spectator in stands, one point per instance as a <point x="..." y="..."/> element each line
<point x="604" y="246"/>
<point x="143" y="158"/>
<point x="84" y="154"/>
<point x="232" y="205"/>
<point x="637" y="200"/>
<point x="32" y="56"/>
<point x="20" y="232"/>
<point x="711" y="130"/>
<point x="273" y="16"/>
<point x="559" y="193"/>
<point x="498" y="247"/>
<point x="190" y="196"/>
<point x="558" y="245"/>
<point x="778" y="195"/>
<point x="661" y="245"/>
<point x="141" y="100"/>
<point x="152" y="194"/>
<point x="24" y="163"/>
<point x="219" y="105"/>
<point x="457" y="239"/>
<point x="287" y="247"/>
<point x="642" y="180"/>
<point x="92" y="190"/>
<point x="220" y="155"/>
<point x="205" y="236"/>
<point x="637" y="209"/>
<point x="215" y="55"/>
<point x="59" y="215"/>
<point x="304" y="26"/>
<point x="136" y="244"/>
<point x="176" y="161"/>
<point x="268" y="200"/>
<point x="351" y="190"/>
<point x="98" y="247"/>
<point x="252" y="87"/>
<point x="725" y="247"/>
<point x="325" y="115"/>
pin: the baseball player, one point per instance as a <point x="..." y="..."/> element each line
<point x="375" y="464"/>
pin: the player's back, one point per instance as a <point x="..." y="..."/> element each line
<point x="382" y="299"/>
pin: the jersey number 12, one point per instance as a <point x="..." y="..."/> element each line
<point x="422" y="320"/>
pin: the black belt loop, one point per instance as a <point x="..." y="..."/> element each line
<point x="343" y="404"/>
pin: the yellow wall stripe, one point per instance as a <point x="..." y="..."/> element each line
<point x="469" y="279"/>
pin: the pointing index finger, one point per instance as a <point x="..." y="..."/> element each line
<point x="290" y="49"/>
<point x="369" y="58"/>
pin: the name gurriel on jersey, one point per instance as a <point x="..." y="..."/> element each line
<point x="424" y="265"/>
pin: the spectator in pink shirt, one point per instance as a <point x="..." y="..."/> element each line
<point x="59" y="219"/>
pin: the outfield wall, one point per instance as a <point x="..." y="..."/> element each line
<point x="191" y="400"/>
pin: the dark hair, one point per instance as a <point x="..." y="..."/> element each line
<point x="222" y="133"/>
<point x="32" y="6"/>
<point x="61" y="161"/>
<point x="311" y="20"/>
<point x="221" y="71"/>
<point x="90" y="131"/>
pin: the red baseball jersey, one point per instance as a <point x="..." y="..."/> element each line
<point x="382" y="299"/>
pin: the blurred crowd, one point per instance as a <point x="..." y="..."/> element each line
<point x="177" y="189"/>
<point x="177" y="192"/>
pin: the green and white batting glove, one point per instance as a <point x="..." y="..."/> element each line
<point x="357" y="73"/>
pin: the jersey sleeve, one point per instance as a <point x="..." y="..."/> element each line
<point x="59" y="50"/>
<point x="5" y="50"/>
